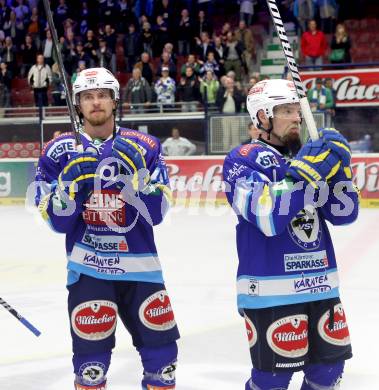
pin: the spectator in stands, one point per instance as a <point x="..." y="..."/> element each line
<point x="232" y="75"/>
<point x="211" y="64"/>
<point x="34" y="26"/>
<point x="233" y="55"/>
<point x="22" y="11"/>
<point x="5" y="11"/>
<point x="103" y="55"/>
<point x="14" y="28"/>
<point x="206" y="6"/>
<point x="57" y="89"/>
<point x="189" y="91"/>
<point x="191" y="63"/>
<point x="68" y="52"/>
<point x="111" y="38"/>
<point x="126" y="16"/>
<point x="253" y="133"/>
<point x="229" y="101"/>
<point x="328" y="10"/>
<point x="226" y="27"/>
<point x="321" y="99"/>
<point x="56" y="133"/>
<point x="137" y="92"/>
<point x="169" y="48"/>
<point x="132" y="47"/>
<point x="160" y="35"/>
<point x="80" y="56"/>
<point x="167" y="62"/>
<point x="60" y="15"/>
<point x="244" y="35"/>
<point x="247" y="10"/>
<point x="108" y="13"/>
<point x="48" y="49"/>
<point x="252" y="81"/>
<point x="313" y="44"/>
<point x="91" y="44"/>
<point x="164" y="8"/>
<point x="203" y="46"/>
<point x="209" y="86"/>
<point x="39" y="78"/>
<point x="340" y="46"/>
<point x="146" y="67"/>
<point x="147" y="38"/>
<point x="8" y="55"/>
<point x="202" y="24"/>
<point x="69" y="26"/>
<point x="220" y="51"/>
<point x="177" y="145"/>
<point x="165" y="88"/>
<point x="304" y="11"/>
<point x="28" y="55"/>
<point x="5" y="85"/>
<point x="184" y="33"/>
<point x="81" y="66"/>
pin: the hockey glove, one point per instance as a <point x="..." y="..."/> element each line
<point x="337" y="143"/>
<point x="77" y="177"/>
<point x="314" y="163"/>
<point x="132" y="163"/>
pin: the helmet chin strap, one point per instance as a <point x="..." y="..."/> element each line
<point x="269" y="131"/>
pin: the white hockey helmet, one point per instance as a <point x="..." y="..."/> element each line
<point x="95" y="78"/>
<point x="267" y="94"/>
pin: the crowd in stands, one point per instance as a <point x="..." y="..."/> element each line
<point x="171" y="51"/>
<point x="169" y="48"/>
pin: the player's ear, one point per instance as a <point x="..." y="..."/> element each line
<point x="262" y="118"/>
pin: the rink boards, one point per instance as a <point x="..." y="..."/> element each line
<point x="194" y="180"/>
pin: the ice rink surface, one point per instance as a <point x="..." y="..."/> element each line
<point x="197" y="251"/>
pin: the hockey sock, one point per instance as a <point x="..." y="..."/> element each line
<point x="159" y="365"/>
<point x="90" y="370"/>
<point x="266" y="380"/>
<point x="323" y="376"/>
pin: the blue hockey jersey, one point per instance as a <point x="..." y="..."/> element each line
<point x="108" y="236"/>
<point x="284" y="247"/>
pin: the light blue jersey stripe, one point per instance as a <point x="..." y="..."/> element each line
<point x="249" y="302"/>
<point x="151" y="276"/>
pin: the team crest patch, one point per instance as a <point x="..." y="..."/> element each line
<point x="93" y="373"/>
<point x="288" y="336"/>
<point x="305" y="229"/>
<point x="339" y="334"/>
<point x="156" y="312"/>
<point x="251" y="331"/>
<point x="94" y="320"/>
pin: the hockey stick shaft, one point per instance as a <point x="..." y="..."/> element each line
<point x="292" y="66"/>
<point x="23" y="320"/>
<point x="71" y="108"/>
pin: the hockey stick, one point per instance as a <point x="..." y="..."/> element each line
<point x="23" y="320"/>
<point x="304" y="104"/>
<point x="71" y="109"/>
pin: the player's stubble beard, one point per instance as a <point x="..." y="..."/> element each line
<point x="98" y="120"/>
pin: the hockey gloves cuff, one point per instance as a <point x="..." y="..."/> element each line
<point x="337" y="143"/>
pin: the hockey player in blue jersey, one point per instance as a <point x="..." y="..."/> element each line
<point x="287" y="283"/>
<point x="106" y="200"/>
